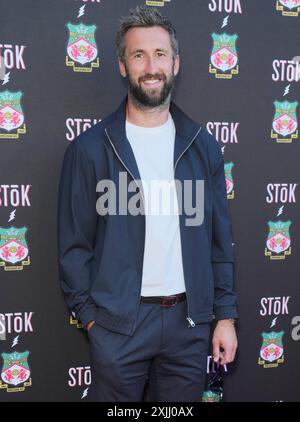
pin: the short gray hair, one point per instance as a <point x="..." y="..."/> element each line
<point x="143" y="17"/>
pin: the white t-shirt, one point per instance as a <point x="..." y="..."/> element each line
<point x="153" y="149"/>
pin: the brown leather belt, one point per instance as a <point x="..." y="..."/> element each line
<point x="165" y="301"/>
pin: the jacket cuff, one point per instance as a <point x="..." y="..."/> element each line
<point x="87" y="315"/>
<point x="226" y="312"/>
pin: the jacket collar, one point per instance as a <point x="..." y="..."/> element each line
<point x="186" y="130"/>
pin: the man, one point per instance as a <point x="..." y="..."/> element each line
<point x="147" y="284"/>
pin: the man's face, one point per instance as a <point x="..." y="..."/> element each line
<point x="149" y="65"/>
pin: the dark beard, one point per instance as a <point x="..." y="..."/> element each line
<point x="142" y="98"/>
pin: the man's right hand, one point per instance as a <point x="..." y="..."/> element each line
<point x="89" y="325"/>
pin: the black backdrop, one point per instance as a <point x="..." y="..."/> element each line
<point x="58" y="99"/>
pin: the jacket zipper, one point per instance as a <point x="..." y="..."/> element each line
<point x="142" y="195"/>
<point x="189" y="319"/>
<point x="124" y="165"/>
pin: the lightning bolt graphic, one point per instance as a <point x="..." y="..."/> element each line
<point x="15" y="341"/>
<point x="225" y="21"/>
<point x="286" y="90"/>
<point x="6" y="78"/>
<point x="273" y="322"/>
<point x="280" y="211"/>
<point x="85" y="393"/>
<point x="12" y="215"/>
<point x="81" y="11"/>
<point x="223" y="149"/>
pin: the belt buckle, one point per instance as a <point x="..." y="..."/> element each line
<point x="168" y="302"/>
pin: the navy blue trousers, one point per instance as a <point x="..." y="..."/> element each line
<point x="164" y="353"/>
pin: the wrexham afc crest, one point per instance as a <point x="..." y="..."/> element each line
<point x="229" y="180"/>
<point x="11" y="115"/>
<point x="156" y="2"/>
<point x="278" y="241"/>
<point x="211" y="396"/>
<point x="15" y="373"/>
<point x="82" y="48"/>
<point x="285" y="124"/>
<point x="13" y="248"/>
<point x="271" y="349"/>
<point x="288" y="7"/>
<point x="74" y="321"/>
<point x="224" y="58"/>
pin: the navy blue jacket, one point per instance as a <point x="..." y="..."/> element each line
<point x="101" y="257"/>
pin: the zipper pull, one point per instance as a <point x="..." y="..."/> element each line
<point x="191" y="322"/>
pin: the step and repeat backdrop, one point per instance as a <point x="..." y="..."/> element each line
<point x="240" y="71"/>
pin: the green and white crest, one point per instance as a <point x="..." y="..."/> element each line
<point x="290" y="4"/>
<point x="228" y="177"/>
<point x="224" y="55"/>
<point x="11" y="113"/>
<point x="278" y="237"/>
<point x="272" y="347"/>
<point x="15" y="369"/>
<point x="13" y="246"/>
<point x="285" y="119"/>
<point x="211" y="396"/>
<point x="156" y="2"/>
<point x="82" y="46"/>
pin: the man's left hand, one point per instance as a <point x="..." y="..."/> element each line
<point x="224" y="337"/>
